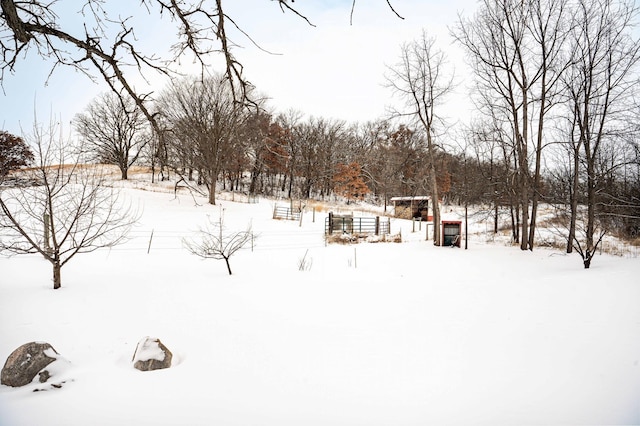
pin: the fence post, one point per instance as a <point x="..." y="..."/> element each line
<point x="330" y="223"/>
<point x="377" y="225"/>
<point x="150" y="239"/>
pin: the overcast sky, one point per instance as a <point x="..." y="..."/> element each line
<point x="333" y="69"/>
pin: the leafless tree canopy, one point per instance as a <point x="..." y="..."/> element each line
<point x="62" y="210"/>
<point x="203" y="121"/>
<point x="113" y="131"/>
<point x="422" y="82"/>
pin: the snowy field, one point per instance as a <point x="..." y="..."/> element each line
<point x="370" y="334"/>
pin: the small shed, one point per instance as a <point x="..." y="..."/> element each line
<point x="451" y="232"/>
<point x="412" y="207"/>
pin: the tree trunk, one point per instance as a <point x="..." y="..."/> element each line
<point x="290" y="185"/>
<point x="573" y="200"/>
<point x="466" y="224"/>
<point x="255" y="174"/>
<point x="536" y="174"/>
<point x="434" y="192"/>
<point x="524" y="205"/>
<point x="535" y="197"/>
<point x="436" y="212"/>
<point x="212" y="187"/>
<point x="226" y="259"/>
<point x="515" y="221"/>
<point x="57" y="283"/>
<point x="534" y="213"/>
<point x="591" y="194"/>
<point x="591" y="203"/>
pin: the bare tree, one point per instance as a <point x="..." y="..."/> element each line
<point x="389" y="162"/>
<point x="420" y="79"/>
<point x="317" y="140"/>
<point x="600" y="87"/>
<point x="290" y="145"/>
<point x="270" y="160"/>
<point x="114" y="131"/>
<point x="516" y="51"/>
<point x="66" y="211"/>
<point x="491" y="182"/>
<point x="367" y="143"/>
<point x="216" y="243"/>
<point x="203" y="118"/>
<point x="256" y="132"/>
<point x="549" y="29"/>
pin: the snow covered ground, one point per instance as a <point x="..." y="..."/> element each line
<point x="368" y="334"/>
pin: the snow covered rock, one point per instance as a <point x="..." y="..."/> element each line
<point x="151" y="354"/>
<point x="26" y="362"/>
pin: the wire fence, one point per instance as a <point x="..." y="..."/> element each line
<point x="357" y="225"/>
<point x="151" y="240"/>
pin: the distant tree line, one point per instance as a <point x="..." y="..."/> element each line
<point x="216" y="143"/>
<point x="219" y="144"/>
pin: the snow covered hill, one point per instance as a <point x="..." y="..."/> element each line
<point x="368" y="334"/>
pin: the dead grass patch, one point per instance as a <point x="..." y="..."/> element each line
<point x="635" y="242"/>
<point x="346" y="238"/>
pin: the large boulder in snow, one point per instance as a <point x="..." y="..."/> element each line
<point x="26" y="362"/>
<point x="151" y="354"/>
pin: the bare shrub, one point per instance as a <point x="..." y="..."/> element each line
<point x="216" y="243"/>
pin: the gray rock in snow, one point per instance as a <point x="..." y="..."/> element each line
<point x="151" y="354"/>
<point x="26" y="362"/>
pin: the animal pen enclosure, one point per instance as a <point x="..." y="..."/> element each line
<point x="347" y="224"/>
